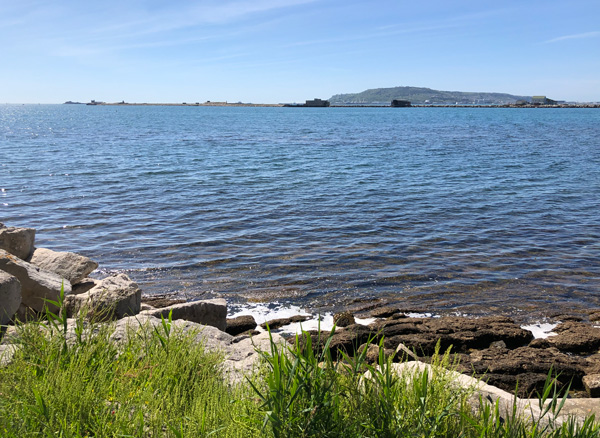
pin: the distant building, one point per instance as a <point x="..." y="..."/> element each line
<point x="397" y="103"/>
<point x="521" y="102"/>
<point x="317" y="103"/>
<point x="542" y="100"/>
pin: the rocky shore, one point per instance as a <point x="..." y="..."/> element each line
<point x="494" y="348"/>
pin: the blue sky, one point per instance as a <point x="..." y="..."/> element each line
<point x="274" y="51"/>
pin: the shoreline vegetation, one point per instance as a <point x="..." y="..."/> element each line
<point x="81" y="378"/>
<point x="81" y="357"/>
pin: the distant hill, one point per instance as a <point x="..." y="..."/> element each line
<point x="418" y="95"/>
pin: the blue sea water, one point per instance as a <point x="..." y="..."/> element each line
<point x="471" y="210"/>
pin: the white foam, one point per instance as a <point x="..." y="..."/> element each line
<point x="420" y="315"/>
<point x="541" y="330"/>
<point x="266" y="312"/>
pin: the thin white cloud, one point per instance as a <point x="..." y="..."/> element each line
<point x="576" y="36"/>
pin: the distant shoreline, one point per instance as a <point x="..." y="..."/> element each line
<point x="280" y="105"/>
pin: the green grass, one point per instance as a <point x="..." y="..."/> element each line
<point x="160" y="383"/>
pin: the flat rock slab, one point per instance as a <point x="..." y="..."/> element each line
<point x="207" y="312"/>
<point x="274" y="324"/>
<point x="114" y="297"/>
<point x="73" y="267"/>
<point x="17" y="241"/>
<point x="37" y="285"/>
<point x="10" y="297"/>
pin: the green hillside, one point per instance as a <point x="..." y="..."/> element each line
<point x="418" y="95"/>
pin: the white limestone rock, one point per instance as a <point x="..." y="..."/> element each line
<point x="37" y="285"/>
<point x="207" y="312"/>
<point x="17" y="241"/>
<point x="73" y="267"/>
<point x="114" y="297"/>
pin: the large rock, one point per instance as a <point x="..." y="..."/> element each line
<point x="114" y="297"/>
<point x="73" y="267"/>
<point x="462" y="334"/>
<point x="208" y="312"/>
<point x="529" y="366"/>
<point x="10" y="297"/>
<point x="17" y="241"/>
<point x="37" y="285"/>
<point x="240" y="324"/>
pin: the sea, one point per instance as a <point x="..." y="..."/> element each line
<point x="468" y="211"/>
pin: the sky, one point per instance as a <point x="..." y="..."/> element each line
<point x="275" y="51"/>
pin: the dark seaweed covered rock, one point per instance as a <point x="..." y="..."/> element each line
<point x="280" y="322"/>
<point x="576" y="337"/>
<point x="241" y="324"/>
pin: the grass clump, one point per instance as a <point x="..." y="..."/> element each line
<point x="157" y="383"/>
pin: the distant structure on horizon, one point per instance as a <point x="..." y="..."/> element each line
<point x="397" y="103"/>
<point x="317" y="103"/>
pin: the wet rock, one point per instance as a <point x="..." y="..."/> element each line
<point x="241" y="324"/>
<point x="114" y="297"/>
<point x="462" y="334"/>
<point x="73" y="267"/>
<point x="526" y="360"/>
<point x="275" y="324"/>
<point x="37" y="285"/>
<point x="10" y="297"/>
<point x="205" y="312"/>
<point x="343" y="319"/>
<point x="595" y="316"/>
<point x="591" y="382"/>
<point x="465" y="333"/>
<point x="17" y="241"/>
<point x="576" y="337"/>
